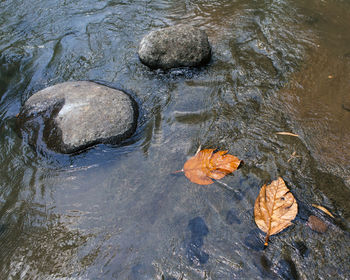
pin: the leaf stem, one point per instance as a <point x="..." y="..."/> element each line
<point x="177" y="171"/>
<point x="228" y="187"/>
<point x="266" y="240"/>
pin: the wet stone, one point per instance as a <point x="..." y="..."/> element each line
<point x="72" y="116"/>
<point x="175" y="46"/>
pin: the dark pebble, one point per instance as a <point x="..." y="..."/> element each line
<point x="286" y="269"/>
<point x="198" y="230"/>
<point x="302" y="249"/>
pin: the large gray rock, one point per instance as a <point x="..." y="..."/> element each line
<point x="175" y="46"/>
<point x="71" y="116"/>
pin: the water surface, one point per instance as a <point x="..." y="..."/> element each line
<point x="118" y="212"/>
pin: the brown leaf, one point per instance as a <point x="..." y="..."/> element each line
<point x="317" y="224"/>
<point x="207" y="165"/>
<point x="275" y="208"/>
<point x="323" y="209"/>
<point x="287" y="133"/>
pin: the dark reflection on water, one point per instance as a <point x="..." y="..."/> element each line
<point x="198" y="230"/>
<point x="117" y="212"/>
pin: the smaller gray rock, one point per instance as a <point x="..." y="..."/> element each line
<point x="175" y="46"/>
<point x="71" y="116"/>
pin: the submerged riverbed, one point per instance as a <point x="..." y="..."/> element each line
<point x="118" y="212"/>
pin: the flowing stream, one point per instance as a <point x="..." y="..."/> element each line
<point x="118" y="212"/>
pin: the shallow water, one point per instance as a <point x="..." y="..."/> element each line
<point x="118" y="212"/>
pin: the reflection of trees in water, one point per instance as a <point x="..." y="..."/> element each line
<point x="316" y="94"/>
<point x="315" y="102"/>
<point x="223" y="17"/>
<point x="256" y="43"/>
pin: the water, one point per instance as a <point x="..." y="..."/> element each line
<point x="118" y="212"/>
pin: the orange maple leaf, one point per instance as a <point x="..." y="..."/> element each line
<point x="207" y="165"/>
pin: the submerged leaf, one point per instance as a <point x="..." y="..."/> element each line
<point x="275" y="208"/>
<point x="323" y="209"/>
<point x="287" y="133"/>
<point x="207" y="165"/>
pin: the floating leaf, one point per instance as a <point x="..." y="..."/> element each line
<point x="207" y="165"/>
<point x="275" y="208"/>
<point x="323" y="209"/>
<point x="317" y="224"/>
<point x="287" y="133"/>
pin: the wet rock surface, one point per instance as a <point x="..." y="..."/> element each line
<point x="71" y="116"/>
<point x="175" y="46"/>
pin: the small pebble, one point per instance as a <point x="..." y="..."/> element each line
<point x="302" y="249"/>
<point x="317" y="224"/>
<point x="346" y="105"/>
